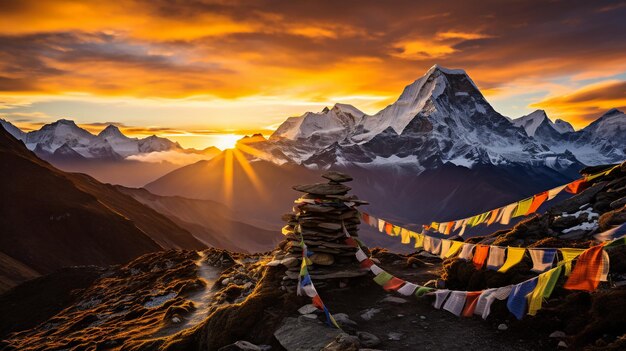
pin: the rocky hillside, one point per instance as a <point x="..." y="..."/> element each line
<point x="184" y="300"/>
<point x="52" y="219"/>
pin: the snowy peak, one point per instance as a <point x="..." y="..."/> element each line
<point x="332" y="124"/>
<point x="610" y="126"/>
<point x="112" y="131"/>
<point x="532" y="121"/>
<point x="13" y="130"/>
<point x="562" y="126"/>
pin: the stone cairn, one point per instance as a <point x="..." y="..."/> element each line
<point x="319" y="214"/>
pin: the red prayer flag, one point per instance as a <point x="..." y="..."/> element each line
<point x="317" y="302"/>
<point x="471" y="299"/>
<point x="393" y="284"/>
<point x="350" y="241"/>
<point x="586" y="273"/>
<point x="537" y="201"/>
<point x="480" y="255"/>
<point x="367" y="263"/>
<point x="366" y="217"/>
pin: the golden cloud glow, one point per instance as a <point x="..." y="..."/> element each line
<point x="230" y="66"/>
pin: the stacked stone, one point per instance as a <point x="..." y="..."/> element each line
<point x="318" y="216"/>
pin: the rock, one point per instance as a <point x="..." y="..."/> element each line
<point x="393" y="299"/>
<point x="225" y="281"/>
<point x="176" y="320"/>
<point x="307" y="309"/>
<point x="368" y="339"/>
<point x="369" y="313"/>
<point x="322" y="189"/>
<point x="241" y="345"/>
<point x="304" y="334"/>
<point x="344" y="320"/>
<point x="558" y="334"/>
<point x="395" y="336"/>
<point x="618" y="203"/>
<point x="562" y="344"/>
<point x="310" y="316"/>
<point x="343" y="342"/>
<point x="422" y="317"/>
<point x="400" y="315"/>
<point x="323" y="259"/>
<point x="337" y="177"/>
<point x="503" y="327"/>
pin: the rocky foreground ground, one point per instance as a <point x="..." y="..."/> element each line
<point x="214" y="299"/>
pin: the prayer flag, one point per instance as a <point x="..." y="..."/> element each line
<point x="445" y="246"/>
<point x="407" y="289"/>
<point x="545" y="285"/>
<point x="496" y="257"/>
<point x="514" y="255"/>
<point x="388" y="228"/>
<point x="522" y="207"/>
<point x="317" y="302"/>
<point x="604" y="273"/>
<point x="449" y="228"/>
<point x="576" y="186"/>
<point x="480" y="255"/>
<point x="367" y="263"/>
<point x="455" y="302"/>
<point x="493" y="216"/>
<point x="552" y="193"/>
<point x="442" y="227"/>
<point x="393" y="284"/>
<point x="457" y="224"/>
<point x="542" y="259"/>
<point x="517" y="299"/>
<point x="470" y="303"/>
<point x="466" y="252"/>
<point x="381" y="225"/>
<point x="360" y="255"/>
<point x="382" y="278"/>
<point x="537" y="201"/>
<point x="568" y="256"/>
<point x="375" y="269"/>
<point x="406" y="236"/>
<point x="454" y="248"/>
<point x="611" y="234"/>
<point x="422" y="290"/>
<point x="507" y="212"/>
<point x="419" y="241"/>
<point x="365" y="217"/>
<point x="428" y="243"/>
<point x="436" y="246"/>
<point x="487" y="297"/>
<point x="309" y="290"/>
<point x="440" y="297"/>
<point x="395" y="230"/>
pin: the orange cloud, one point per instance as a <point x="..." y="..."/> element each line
<point x="587" y="103"/>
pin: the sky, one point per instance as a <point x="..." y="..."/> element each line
<point x="205" y="72"/>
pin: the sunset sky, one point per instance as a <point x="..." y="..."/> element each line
<point x="198" y="71"/>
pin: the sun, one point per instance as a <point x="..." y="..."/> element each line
<point x="225" y="141"/>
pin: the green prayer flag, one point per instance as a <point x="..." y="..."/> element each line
<point x="554" y="277"/>
<point x="422" y="290"/>
<point x="382" y="278"/>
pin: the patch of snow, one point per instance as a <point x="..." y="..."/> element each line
<point x="583" y="226"/>
<point x="159" y="300"/>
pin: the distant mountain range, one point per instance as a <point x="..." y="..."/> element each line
<point x="441" y="118"/>
<point x="64" y="140"/>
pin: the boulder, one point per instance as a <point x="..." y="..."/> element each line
<point x="304" y="334"/>
<point x="337" y="177"/>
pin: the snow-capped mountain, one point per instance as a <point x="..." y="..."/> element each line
<point x="532" y="121"/>
<point x="440" y="118"/>
<point x="64" y="140"/>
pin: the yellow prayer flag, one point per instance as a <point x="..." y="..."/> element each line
<point x="545" y="282"/>
<point x="406" y="236"/>
<point x="514" y="256"/>
<point x="568" y="256"/>
<point x="454" y="248"/>
<point x="522" y="207"/>
<point x="419" y="241"/>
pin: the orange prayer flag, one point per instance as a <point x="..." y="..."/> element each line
<point x="388" y="228"/>
<point x="393" y="284"/>
<point x="480" y="255"/>
<point x="494" y="215"/>
<point x="588" y="269"/>
<point x="365" y="217"/>
<point x="576" y="186"/>
<point x="449" y="227"/>
<point x="471" y="299"/>
<point x="537" y="201"/>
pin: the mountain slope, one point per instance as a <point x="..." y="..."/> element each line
<point x="210" y="222"/>
<point x="51" y="219"/>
